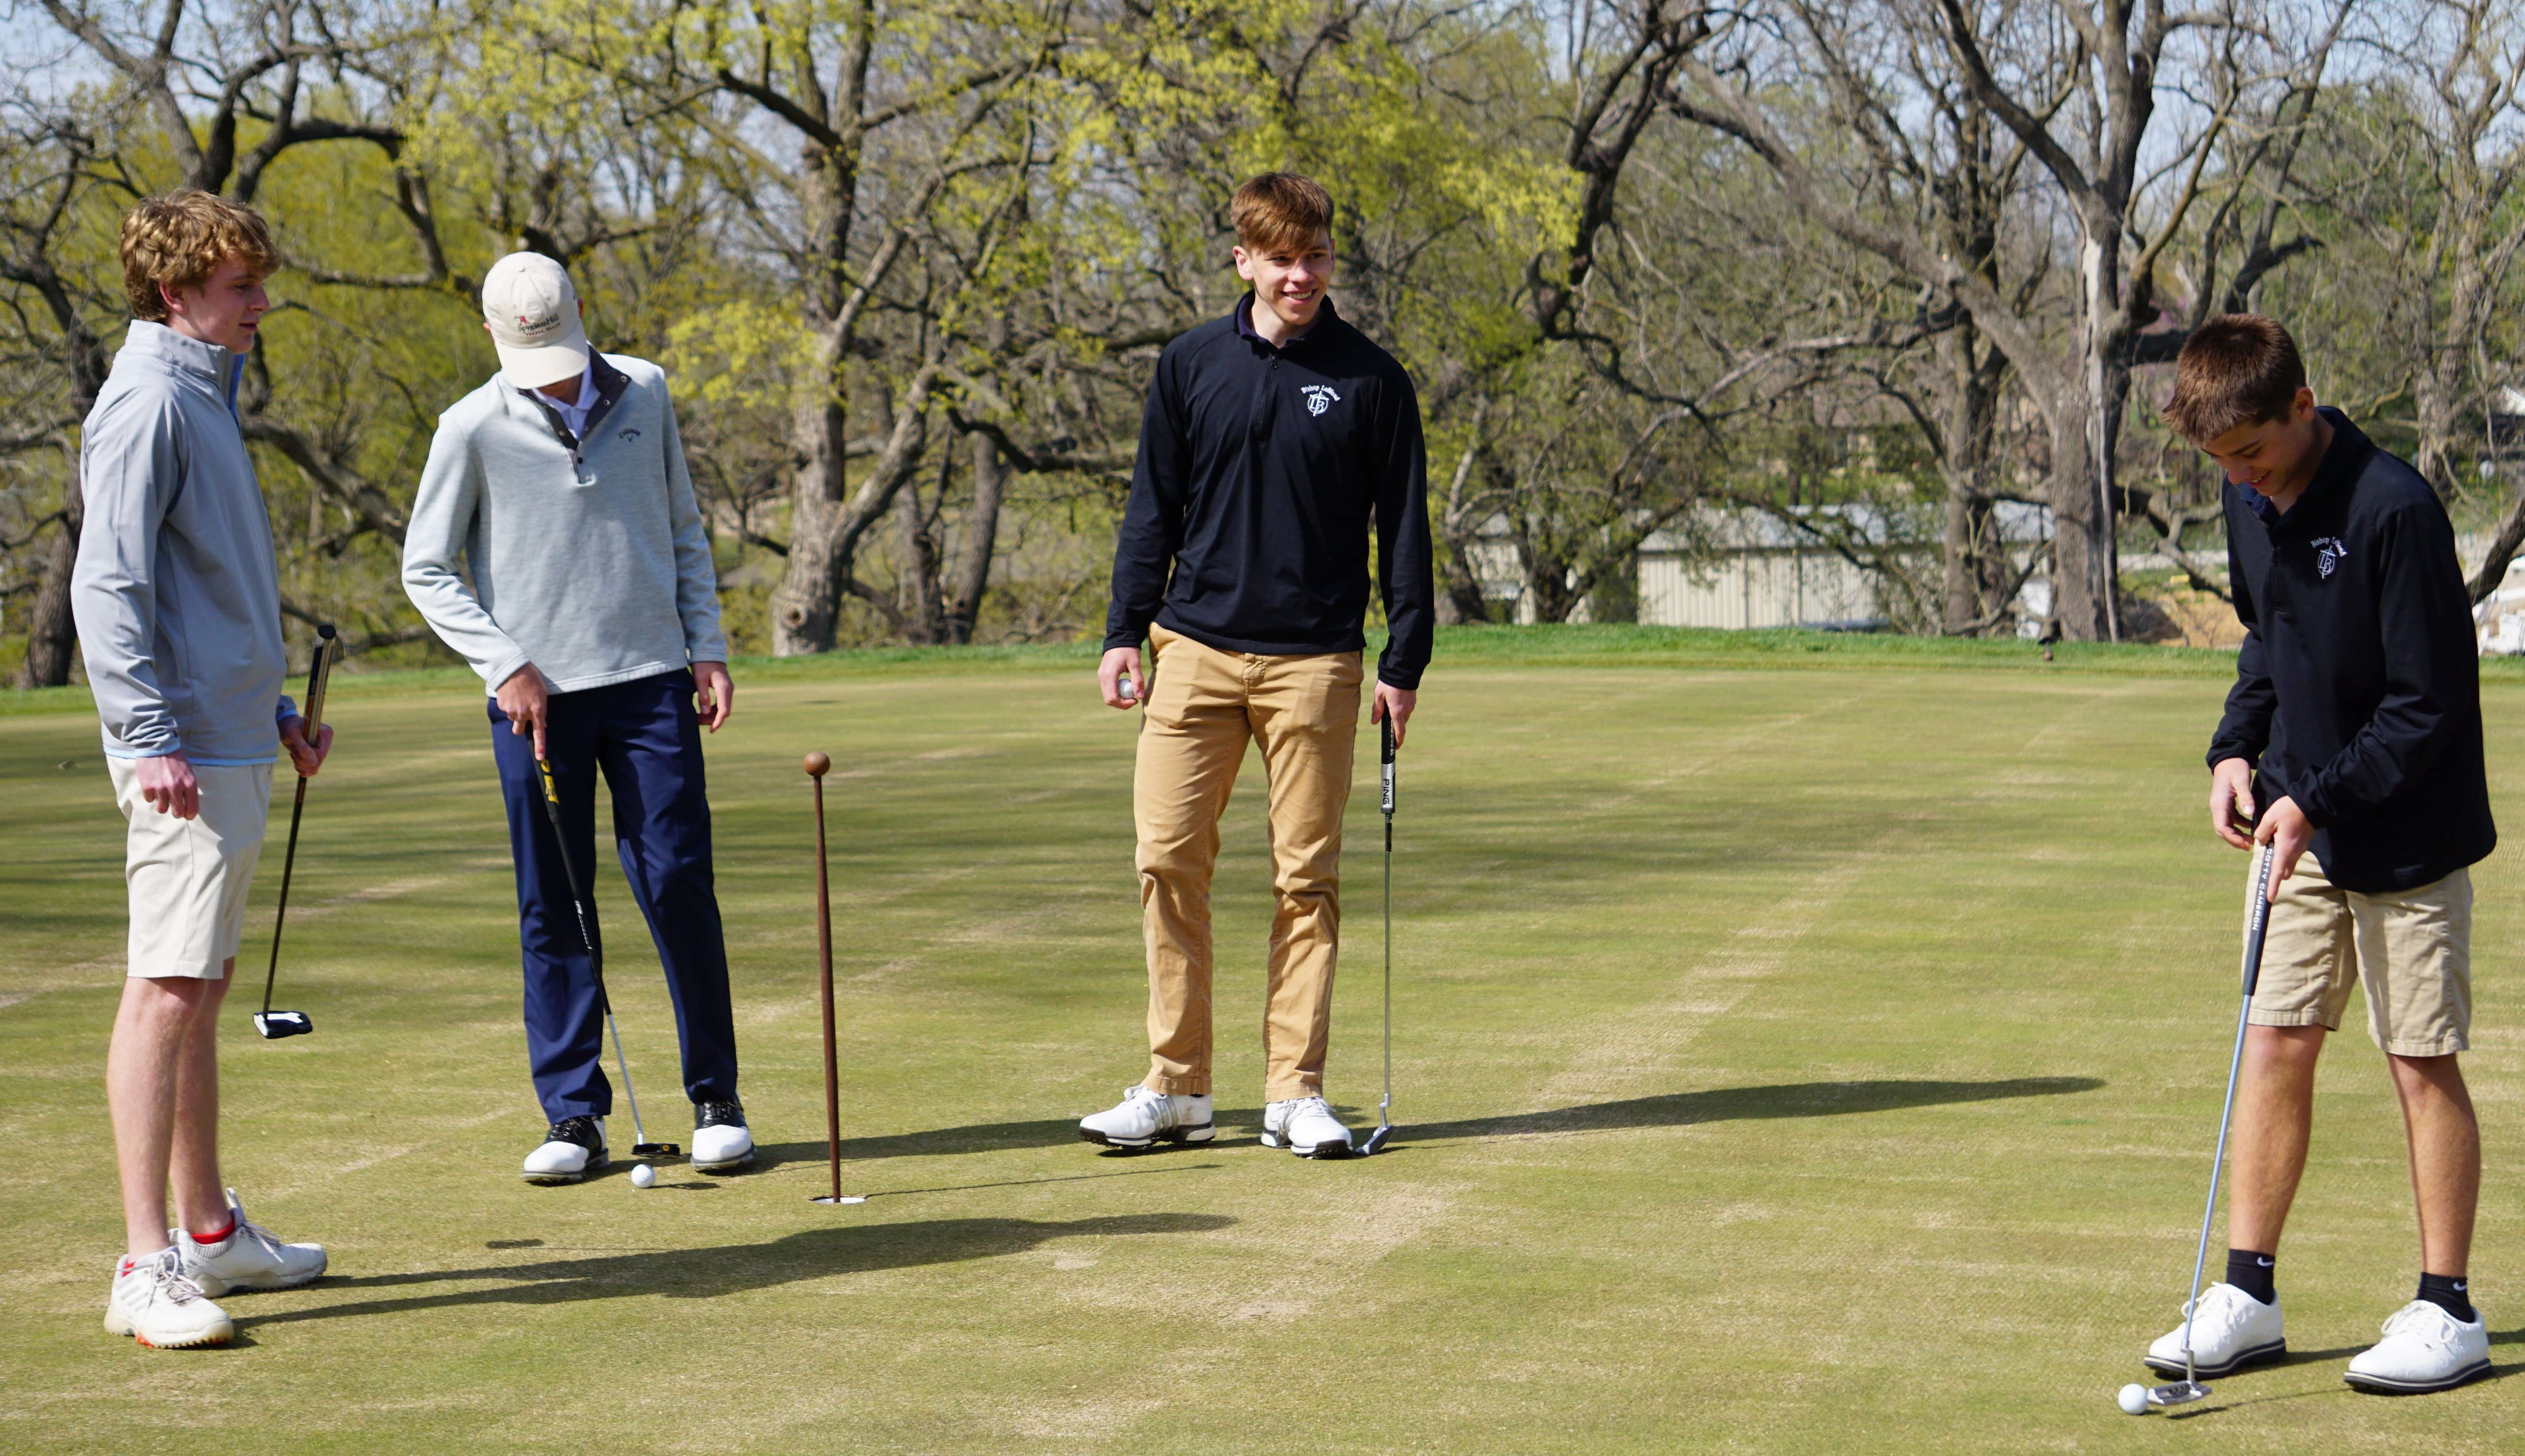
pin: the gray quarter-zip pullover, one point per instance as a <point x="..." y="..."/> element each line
<point x="589" y="556"/>
<point x="176" y="591"/>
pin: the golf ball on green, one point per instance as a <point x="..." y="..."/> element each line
<point x="642" y="1175"/>
<point x="2134" y="1400"/>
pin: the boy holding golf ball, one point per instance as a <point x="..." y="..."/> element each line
<point x="178" y="598"/>
<point x="1276" y="439"/>
<point x="2352" y="749"/>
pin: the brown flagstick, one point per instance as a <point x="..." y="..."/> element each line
<point x="816" y="765"/>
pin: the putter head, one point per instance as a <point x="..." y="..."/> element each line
<point x="1375" y="1143"/>
<point x="2179" y="1393"/>
<point x="656" y="1150"/>
<point x="828" y="1199"/>
<point x="274" y="1025"/>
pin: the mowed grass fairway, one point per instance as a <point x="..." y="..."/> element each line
<point x="1788" y="1060"/>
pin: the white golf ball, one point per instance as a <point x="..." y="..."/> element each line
<point x="642" y="1175"/>
<point x="2134" y="1400"/>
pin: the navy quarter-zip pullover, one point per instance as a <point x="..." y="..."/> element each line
<point x="2359" y="687"/>
<point x="1258" y="474"/>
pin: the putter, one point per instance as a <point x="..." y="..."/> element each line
<point x="1376" y="1140"/>
<point x="641" y="1147"/>
<point x="2257" y="924"/>
<point x="274" y="1025"/>
<point x="816" y="765"/>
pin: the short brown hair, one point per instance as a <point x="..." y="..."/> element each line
<point x="180" y="239"/>
<point x="2236" y="369"/>
<point x="1282" y="210"/>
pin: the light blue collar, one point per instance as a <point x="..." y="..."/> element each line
<point x="213" y="364"/>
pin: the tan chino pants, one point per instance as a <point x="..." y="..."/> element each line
<point x="1204" y="708"/>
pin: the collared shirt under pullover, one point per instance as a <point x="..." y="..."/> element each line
<point x="175" y="590"/>
<point x="2359" y="687"/>
<point x="1259" y="472"/>
<point x="589" y="556"/>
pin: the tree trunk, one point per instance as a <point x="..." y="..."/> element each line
<point x="1960" y="590"/>
<point x="825" y="530"/>
<point x="2077" y="544"/>
<point x="806" y="607"/>
<point x="924" y="615"/>
<point x="51" y="634"/>
<point x="982" y="538"/>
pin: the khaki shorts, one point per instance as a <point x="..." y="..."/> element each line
<point x="188" y="877"/>
<point x="2411" y="948"/>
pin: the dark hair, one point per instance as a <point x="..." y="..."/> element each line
<point x="1282" y="210"/>
<point x="2236" y="369"/>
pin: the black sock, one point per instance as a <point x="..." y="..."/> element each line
<point x="2449" y="1292"/>
<point x="2252" y="1273"/>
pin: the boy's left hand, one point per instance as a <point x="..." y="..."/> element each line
<point x="304" y="756"/>
<point x="713" y="694"/>
<point x="2285" y="829"/>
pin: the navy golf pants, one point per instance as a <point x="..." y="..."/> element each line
<point x="644" y="736"/>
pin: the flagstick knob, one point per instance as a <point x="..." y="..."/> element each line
<point x="816" y="765"/>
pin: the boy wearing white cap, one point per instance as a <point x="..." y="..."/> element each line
<point x="592" y="616"/>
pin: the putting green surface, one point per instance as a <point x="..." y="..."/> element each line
<point x="1800" y="1061"/>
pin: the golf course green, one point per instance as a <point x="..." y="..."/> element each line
<point x="1803" y="1044"/>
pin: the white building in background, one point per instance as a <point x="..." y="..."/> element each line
<point x="1741" y="568"/>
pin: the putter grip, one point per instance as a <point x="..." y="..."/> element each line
<point x="320" y="671"/>
<point x="2257" y="920"/>
<point x="1385" y="768"/>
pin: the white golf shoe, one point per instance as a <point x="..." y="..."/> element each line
<point x="155" y="1305"/>
<point x="2230" y="1330"/>
<point x="721" y="1142"/>
<point x="1144" y="1117"/>
<point x="573" y="1148"/>
<point x="249" y="1258"/>
<point x="2424" y="1349"/>
<point x="1306" y="1127"/>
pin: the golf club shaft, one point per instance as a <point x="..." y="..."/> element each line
<point x="2257" y="924"/>
<point x="1385" y="798"/>
<point x="318" y="669"/>
<point x="280" y="916"/>
<point x="824" y="958"/>
<point x="587" y="937"/>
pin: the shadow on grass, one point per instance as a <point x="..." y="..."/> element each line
<point x="2492" y="1375"/>
<point x="704" y="1273"/>
<point x="1746" y="1104"/>
<point x="1670" y="1110"/>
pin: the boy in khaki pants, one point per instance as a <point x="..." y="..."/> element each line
<point x="2357" y="709"/>
<point x="1274" y="439"/>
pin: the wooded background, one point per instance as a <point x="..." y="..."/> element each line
<point x="909" y="264"/>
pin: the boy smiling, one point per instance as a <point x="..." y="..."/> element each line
<point x="1274" y="441"/>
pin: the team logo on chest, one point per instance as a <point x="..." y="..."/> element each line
<point x="2328" y="551"/>
<point x="1320" y="397"/>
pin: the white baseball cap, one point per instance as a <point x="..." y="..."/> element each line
<point x="532" y="314"/>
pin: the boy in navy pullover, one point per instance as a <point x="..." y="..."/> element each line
<point x="2355" y="724"/>
<point x="1276" y="440"/>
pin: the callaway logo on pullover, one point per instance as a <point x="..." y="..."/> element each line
<point x="1258" y="473"/>
<point x="2359" y="687"/>
<point x="589" y="556"/>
